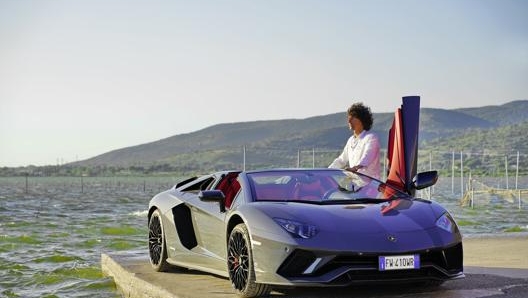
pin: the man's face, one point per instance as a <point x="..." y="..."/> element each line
<point x="354" y="123"/>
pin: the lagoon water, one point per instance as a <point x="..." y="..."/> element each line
<point x="53" y="231"/>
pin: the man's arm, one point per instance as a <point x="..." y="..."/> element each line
<point x="341" y="162"/>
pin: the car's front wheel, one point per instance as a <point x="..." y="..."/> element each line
<point x="240" y="264"/>
<point x="157" y="246"/>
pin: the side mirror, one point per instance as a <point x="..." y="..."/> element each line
<point x="425" y="179"/>
<point x="213" y="196"/>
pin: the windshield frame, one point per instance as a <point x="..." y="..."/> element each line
<point x="279" y="185"/>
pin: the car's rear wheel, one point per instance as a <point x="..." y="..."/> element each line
<point x="157" y="246"/>
<point x="240" y="264"/>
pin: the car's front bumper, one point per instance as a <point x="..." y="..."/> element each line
<point x="285" y="264"/>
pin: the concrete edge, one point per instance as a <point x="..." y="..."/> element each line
<point x="133" y="282"/>
<point x="504" y="272"/>
<point x="128" y="283"/>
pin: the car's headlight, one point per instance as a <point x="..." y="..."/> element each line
<point x="446" y="222"/>
<point x="296" y="228"/>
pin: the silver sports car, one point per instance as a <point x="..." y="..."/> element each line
<point x="308" y="227"/>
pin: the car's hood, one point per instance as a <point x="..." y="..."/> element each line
<point x="396" y="215"/>
<point x="363" y="226"/>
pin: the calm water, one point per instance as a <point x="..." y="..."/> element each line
<point x="52" y="236"/>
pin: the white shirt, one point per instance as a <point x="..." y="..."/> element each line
<point x="363" y="150"/>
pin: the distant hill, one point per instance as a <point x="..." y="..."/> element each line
<point x="509" y="113"/>
<point x="495" y="127"/>
<point x="503" y="139"/>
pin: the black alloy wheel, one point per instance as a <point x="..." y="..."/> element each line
<point x="157" y="246"/>
<point x="240" y="264"/>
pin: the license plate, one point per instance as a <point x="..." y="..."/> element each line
<point x="399" y="262"/>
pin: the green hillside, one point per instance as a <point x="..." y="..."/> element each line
<point x="504" y="139"/>
<point x="509" y="113"/>
<point x="491" y="130"/>
<point x="485" y="151"/>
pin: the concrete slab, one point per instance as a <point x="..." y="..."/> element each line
<point x="135" y="278"/>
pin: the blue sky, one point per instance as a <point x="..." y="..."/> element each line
<point x="81" y="78"/>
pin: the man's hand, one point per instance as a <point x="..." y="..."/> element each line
<point x="355" y="168"/>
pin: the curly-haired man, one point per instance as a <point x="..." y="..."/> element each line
<point x="362" y="150"/>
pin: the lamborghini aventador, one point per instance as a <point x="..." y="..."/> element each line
<point x="309" y="226"/>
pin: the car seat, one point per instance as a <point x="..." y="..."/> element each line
<point x="230" y="187"/>
<point x="308" y="190"/>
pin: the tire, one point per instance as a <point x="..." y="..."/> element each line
<point x="240" y="264"/>
<point x="157" y="245"/>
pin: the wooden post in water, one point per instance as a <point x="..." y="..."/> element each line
<point x="506" y="168"/>
<point x="82" y="184"/>
<point x="313" y="157"/>
<point x="517" y="173"/>
<point x="472" y="198"/>
<point x="453" y="172"/>
<point x="26" y="174"/>
<point x="244" y="158"/>
<point x="470" y="189"/>
<point x="461" y="173"/>
<point x="298" y="158"/>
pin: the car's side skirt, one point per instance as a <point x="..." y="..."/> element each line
<point x="194" y="266"/>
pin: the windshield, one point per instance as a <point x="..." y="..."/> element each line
<point x="323" y="185"/>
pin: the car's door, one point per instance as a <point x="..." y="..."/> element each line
<point x="209" y="226"/>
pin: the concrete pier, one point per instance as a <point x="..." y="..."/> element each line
<point x="495" y="266"/>
<point x="135" y="278"/>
